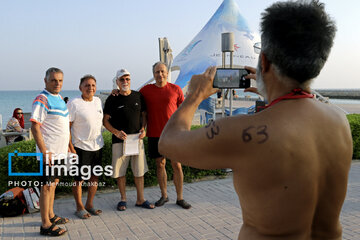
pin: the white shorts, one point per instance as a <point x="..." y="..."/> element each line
<point x="120" y="163"/>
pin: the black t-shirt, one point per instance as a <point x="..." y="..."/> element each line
<point x="125" y="113"/>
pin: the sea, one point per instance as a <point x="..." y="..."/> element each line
<point x="9" y="100"/>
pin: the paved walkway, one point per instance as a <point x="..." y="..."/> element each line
<point x="215" y="215"/>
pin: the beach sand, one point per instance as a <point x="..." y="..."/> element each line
<point x="349" y="108"/>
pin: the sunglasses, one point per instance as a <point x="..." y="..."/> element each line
<point x="123" y="79"/>
<point x="19" y="113"/>
<point x="257" y="47"/>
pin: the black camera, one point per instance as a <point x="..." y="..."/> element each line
<point x="231" y="78"/>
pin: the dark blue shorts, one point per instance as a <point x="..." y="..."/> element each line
<point x="153" y="147"/>
<point x="91" y="158"/>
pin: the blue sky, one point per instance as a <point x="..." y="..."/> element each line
<point x="100" y="37"/>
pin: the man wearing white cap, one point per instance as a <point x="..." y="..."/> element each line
<point x="126" y="114"/>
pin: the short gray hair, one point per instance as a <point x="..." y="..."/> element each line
<point x="52" y="70"/>
<point x="157" y="63"/>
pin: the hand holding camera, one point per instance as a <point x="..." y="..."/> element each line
<point x="231" y="78"/>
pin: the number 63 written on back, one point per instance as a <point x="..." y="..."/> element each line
<point x="259" y="132"/>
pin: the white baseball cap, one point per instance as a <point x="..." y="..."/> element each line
<point x="121" y="73"/>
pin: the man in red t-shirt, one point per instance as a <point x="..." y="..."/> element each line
<point x="162" y="99"/>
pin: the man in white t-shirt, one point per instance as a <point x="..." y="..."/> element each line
<point x="50" y="128"/>
<point x="86" y="116"/>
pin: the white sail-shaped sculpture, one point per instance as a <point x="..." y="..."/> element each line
<point x="205" y="49"/>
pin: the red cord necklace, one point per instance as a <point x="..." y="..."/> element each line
<point x="295" y="93"/>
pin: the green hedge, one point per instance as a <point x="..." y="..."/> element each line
<point x="19" y="164"/>
<point x="354" y="120"/>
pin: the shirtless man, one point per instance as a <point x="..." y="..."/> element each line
<point x="290" y="161"/>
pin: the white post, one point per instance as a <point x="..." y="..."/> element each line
<point x="227" y="45"/>
<point x="165" y="53"/>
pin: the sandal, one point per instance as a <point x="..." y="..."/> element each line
<point x="146" y="205"/>
<point x="120" y="205"/>
<point x="61" y="220"/>
<point x="51" y="232"/>
<point x="82" y="214"/>
<point x="94" y="211"/>
<point x="161" y="201"/>
<point x="182" y="203"/>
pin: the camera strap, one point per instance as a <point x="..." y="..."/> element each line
<point x="295" y="94"/>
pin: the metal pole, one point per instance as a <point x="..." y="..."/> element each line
<point x="223" y="90"/>
<point x="161" y="46"/>
<point x="231" y="90"/>
<point x="227" y="45"/>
